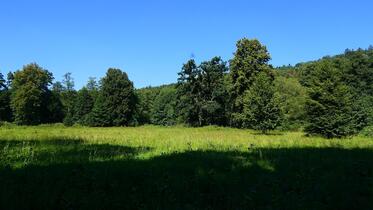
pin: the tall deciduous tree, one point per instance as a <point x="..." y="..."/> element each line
<point x="202" y="93"/>
<point x="261" y="105"/>
<point x="292" y="96"/>
<point x="68" y="81"/>
<point x="213" y="91"/>
<point x="250" y="58"/>
<point x="68" y="97"/>
<point x="30" y="94"/>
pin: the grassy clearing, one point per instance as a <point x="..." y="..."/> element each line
<point x="49" y="167"/>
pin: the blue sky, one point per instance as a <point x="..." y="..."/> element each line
<point x="150" y="40"/>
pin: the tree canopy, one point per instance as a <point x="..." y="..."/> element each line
<point x="250" y="58"/>
<point x="331" y="97"/>
<point x="30" y="94"/>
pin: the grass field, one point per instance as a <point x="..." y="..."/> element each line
<point x="54" y="167"/>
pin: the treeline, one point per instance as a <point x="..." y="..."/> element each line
<point x="332" y="97"/>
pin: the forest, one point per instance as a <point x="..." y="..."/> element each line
<point x="331" y="97"/>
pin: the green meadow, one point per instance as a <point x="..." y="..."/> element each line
<point x="149" y="167"/>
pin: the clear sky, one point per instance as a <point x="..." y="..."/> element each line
<point x="150" y="40"/>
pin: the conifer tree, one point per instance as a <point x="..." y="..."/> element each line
<point x="331" y="110"/>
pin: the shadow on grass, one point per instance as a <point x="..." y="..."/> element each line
<point x="309" y="178"/>
<point x="52" y="151"/>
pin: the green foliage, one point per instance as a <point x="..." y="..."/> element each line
<point x="92" y="84"/>
<point x="261" y="105"/>
<point x="30" y="93"/>
<point x="80" y="104"/>
<point x="146" y="97"/>
<point x="83" y="106"/>
<point x="58" y="87"/>
<point x="10" y="77"/>
<point x="163" y="111"/>
<point x="250" y="58"/>
<point x="116" y="102"/>
<point x="2" y="82"/>
<point x="367" y="131"/>
<point x="68" y="81"/>
<point x="333" y="95"/>
<point x="68" y="96"/>
<point x="366" y="103"/>
<point x="188" y="88"/>
<point x="68" y="99"/>
<point x="332" y="110"/>
<point x="93" y="87"/>
<point x="201" y="93"/>
<point x="213" y="92"/>
<point x="156" y="105"/>
<point x="5" y="110"/>
<point x="55" y="108"/>
<point x="99" y="116"/>
<point x="292" y="98"/>
<point x="358" y="70"/>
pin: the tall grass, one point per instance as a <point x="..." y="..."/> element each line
<point x="150" y="167"/>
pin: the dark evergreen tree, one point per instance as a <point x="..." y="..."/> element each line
<point x="188" y="94"/>
<point x="332" y="110"/>
<point x="3" y="84"/>
<point x="83" y="106"/>
<point x="146" y="98"/>
<point x="10" y="77"/>
<point x="116" y="99"/>
<point x="5" y="110"/>
<point x="55" y="108"/>
<point x="100" y="115"/>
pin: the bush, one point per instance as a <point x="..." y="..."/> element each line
<point x="367" y="131"/>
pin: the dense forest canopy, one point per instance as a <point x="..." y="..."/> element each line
<point x="332" y="97"/>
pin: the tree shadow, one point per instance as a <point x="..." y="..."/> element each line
<point x="294" y="178"/>
<point x="61" y="150"/>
